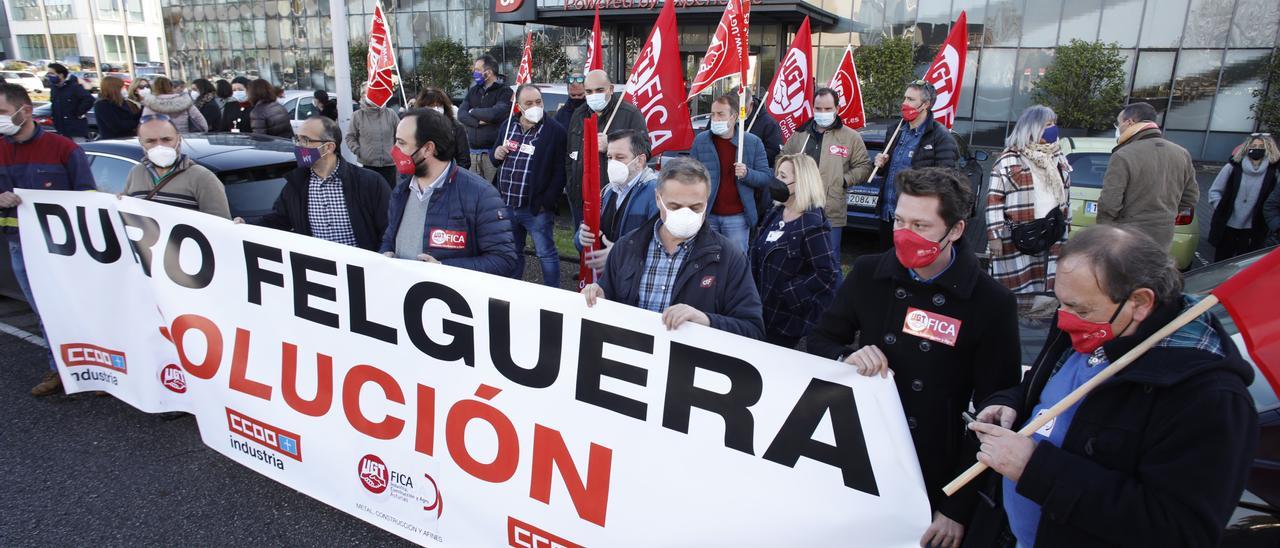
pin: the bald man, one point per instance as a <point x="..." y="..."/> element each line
<point x="602" y="101"/>
<point x="168" y="176"/>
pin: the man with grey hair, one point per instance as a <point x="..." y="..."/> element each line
<point x="326" y="197"/>
<point x="168" y="176"/>
<point x="677" y="266"/>
<point x="1155" y="456"/>
<point x="1150" y="180"/>
<point x="922" y="142"/>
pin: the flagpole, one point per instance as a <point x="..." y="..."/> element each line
<point x="887" y="146"/>
<point x="342" y="70"/>
<point x="609" y="122"/>
<point x="742" y="118"/>
<point x="763" y="101"/>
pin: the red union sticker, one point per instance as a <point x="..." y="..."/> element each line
<point x="708" y="281"/>
<point x="373" y="474"/>
<point x="523" y="535"/>
<point x="932" y="326"/>
<point x="173" y="378"/>
<point x="277" y="439"/>
<point x="82" y="354"/>
<point x="448" y="239"/>
<point x="838" y="151"/>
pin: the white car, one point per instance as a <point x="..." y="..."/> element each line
<point x="27" y="80"/>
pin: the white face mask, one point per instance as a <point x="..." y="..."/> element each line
<point x="597" y="101"/>
<point x="682" y="223"/>
<point x="162" y="156"/>
<point x="8" y="127"/>
<point x="534" y="114"/>
<point x="824" y="119"/>
<point x="438" y="109"/>
<point x="619" y="173"/>
<point x="240" y="95"/>
<point x="1118" y="135"/>
<point x="194" y="94"/>
<point x="144" y="92"/>
<point x="721" y="128"/>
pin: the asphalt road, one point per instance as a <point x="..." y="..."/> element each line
<point x="93" y="470"/>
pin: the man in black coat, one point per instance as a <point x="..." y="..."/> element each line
<point x="922" y="142"/>
<point x="1155" y="456"/>
<point x="929" y="312"/>
<point x="71" y="103"/>
<point x="329" y="198"/>
<point x="615" y="114"/>
<point x="483" y="111"/>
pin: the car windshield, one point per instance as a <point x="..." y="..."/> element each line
<point x="1087" y="168"/>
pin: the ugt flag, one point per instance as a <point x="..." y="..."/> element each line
<point x="381" y="60"/>
<point x="791" y="92"/>
<point x="947" y="71"/>
<point x="524" y="74"/>
<point x="724" y="56"/>
<point x="595" y="52"/>
<point x="590" y="196"/>
<point x="1249" y="297"/>
<point x="845" y="83"/>
<point x="656" y="83"/>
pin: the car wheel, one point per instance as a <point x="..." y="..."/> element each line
<point x="93" y="133"/>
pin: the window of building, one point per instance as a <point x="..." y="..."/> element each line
<point x="65" y="46"/>
<point x="57" y="10"/>
<point x="24" y="10"/>
<point x="113" y="49"/>
<point x="32" y="47"/>
<point x="141" y="53"/>
<point x="1195" y="84"/>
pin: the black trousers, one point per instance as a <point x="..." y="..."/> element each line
<point x="387" y="172"/>
<point x="886" y="235"/>
<point x="1236" y="242"/>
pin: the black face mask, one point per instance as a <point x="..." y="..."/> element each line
<point x="1257" y="154"/>
<point x="778" y="191"/>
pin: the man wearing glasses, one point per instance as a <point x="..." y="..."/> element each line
<point x="326" y="197"/>
<point x="577" y="91"/>
<point x="168" y="176"/>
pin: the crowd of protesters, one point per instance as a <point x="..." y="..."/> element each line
<point x="744" y="235"/>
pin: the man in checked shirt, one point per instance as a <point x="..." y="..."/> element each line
<point x="326" y="197"/>
<point x="530" y="160"/>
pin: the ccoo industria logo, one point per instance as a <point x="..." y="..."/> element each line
<point x="82" y="354"/>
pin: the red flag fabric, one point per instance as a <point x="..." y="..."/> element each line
<point x="791" y="92"/>
<point x="381" y="60"/>
<point x="845" y="82"/>
<point x="656" y="84"/>
<point x="724" y="56"/>
<point x="947" y="72"/>
<point x="590" y="196"/>
<point x="595" y="51"/>
<point x="1250" y="298"/>
<point x="524" y="74"/>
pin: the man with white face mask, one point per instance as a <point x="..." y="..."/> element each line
<point x="676" y="265"/>
<point x="615" y="114"/>
<point x="736" y="186"/>
<point x="627" y="202"/>
<point x="31" y="158"/>
<point x="530" y="179"/>
<point x="169" y="177"/>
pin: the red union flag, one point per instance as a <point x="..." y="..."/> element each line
<point x="1249" y="297"/>
<point x="655" y="84"/>
<point x="590" y="195"/>
<point x="724" y="56"/>
<point x="595" y="52"/>
<point x="845" y="82"/>
<point x="524" y="74"/>
<point x="791" y="92"/>
<point x="381" y="60"/>
<point x="947" y="71"/>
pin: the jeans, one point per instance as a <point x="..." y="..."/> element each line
<point x="837" y="232"/>
<point x="733" y="227"/>
<point x="20" y="272"/>
<point x="539" y="225"/>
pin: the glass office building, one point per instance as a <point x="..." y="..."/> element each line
<point x="1197" y="61"/>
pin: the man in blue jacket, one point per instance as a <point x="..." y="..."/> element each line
<point x="530" y="162"/>
<point x="440" y="213"/>
<point x="627" y="203"/>
<point x="677" y="266"/>
<point x="483" y="111"/>
<point x="71" y="103"/>
<point x="735" y="185"/>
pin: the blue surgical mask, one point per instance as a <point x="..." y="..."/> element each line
<point x="1050" y="134"/>
<point x="478" y="77"/>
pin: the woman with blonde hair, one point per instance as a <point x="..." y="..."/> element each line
<point x="1236" y="196"/>
<point x="176" y="104"/>
<point x="138" y="90"/>
<point x="117" y="117"/>
<point x="791" y="258"/>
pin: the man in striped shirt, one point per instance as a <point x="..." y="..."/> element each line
<point x="169" y="177"/>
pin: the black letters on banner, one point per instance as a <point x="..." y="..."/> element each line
<point x="111" y="245"/>
<point x="592" y="365"/>
<point x="142" y="246"/>
<point x="550" y="331"/>
<point x="849" y="454"/>
<point x="358" y="304"/>
<point x="255" y="275"/>
<point x="303" y="288"/>
<point x="745" y="386"/>
<point x="43" y="212"/>
<point x="463" y="345"/>
<point x="172" y="252"/>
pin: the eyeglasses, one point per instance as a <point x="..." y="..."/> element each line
<point x="576" y="79"/>
<point x="304" y="141"/>
<point x="1259" y="134"/>
<point x="151" y="117"/>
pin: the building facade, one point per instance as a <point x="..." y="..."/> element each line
<point x="1197" y="61"/>
<point x="77" y="32"/>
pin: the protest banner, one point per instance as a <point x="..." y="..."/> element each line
<point x="454" y="408"/>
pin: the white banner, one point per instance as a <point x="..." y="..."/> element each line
<point x="461" y="409"/>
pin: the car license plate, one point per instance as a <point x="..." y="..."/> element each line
<point x="861" y="200"/>
<point x="1091" y="208"/>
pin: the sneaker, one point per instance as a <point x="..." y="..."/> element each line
<point x="50" y="384"/>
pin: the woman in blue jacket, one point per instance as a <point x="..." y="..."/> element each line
<point x="791" y="258"/>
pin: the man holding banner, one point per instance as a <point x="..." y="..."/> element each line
<point x="1155" y="456"/>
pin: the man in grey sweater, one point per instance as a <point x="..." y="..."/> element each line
<point x="370" y="137"/>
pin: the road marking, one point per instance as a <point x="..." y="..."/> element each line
<point x="24" y="335"/>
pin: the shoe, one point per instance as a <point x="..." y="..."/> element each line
<point x="50" y="384"/>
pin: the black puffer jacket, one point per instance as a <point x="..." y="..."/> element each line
<point x="937" y="147"/>
<point x="269" y="118"/>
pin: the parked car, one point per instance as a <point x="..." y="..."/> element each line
<point x="252" y="168"/>
<point x="863" y="201"/>
<point x="128" y="78"/>
<point x="43" y="116"/>
<point x="298" y="103"/>
<point x="26" y="79"/>
<point x="1256" y="521"/>
<point x="1089" y="157"/>
<point x="87" y="79"/>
